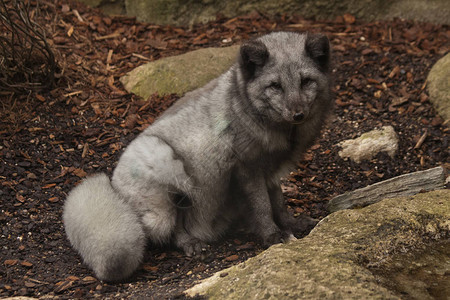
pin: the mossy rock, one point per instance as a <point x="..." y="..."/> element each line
<point x="179" y="74"/>
<point x="336" y="260"/>
<point x="439" y="86"/>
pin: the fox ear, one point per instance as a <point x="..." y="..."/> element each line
<point x="253" y="54"/>
<point x="318" y="48"/>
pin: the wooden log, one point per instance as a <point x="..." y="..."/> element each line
<point x="403" y="185"/>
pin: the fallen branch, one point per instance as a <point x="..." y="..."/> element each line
<point x="109" y="36"/>
<point x="421" y="140"/>
<point x="404" y="185"/>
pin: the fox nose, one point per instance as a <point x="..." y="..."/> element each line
<point x="298" y="116"/>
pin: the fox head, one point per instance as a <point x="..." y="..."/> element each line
<point x="286" y="75"/>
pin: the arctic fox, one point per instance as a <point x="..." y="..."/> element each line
<point x="215" y="155"/>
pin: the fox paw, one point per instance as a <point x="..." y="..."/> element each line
<point x="194" y="247"/>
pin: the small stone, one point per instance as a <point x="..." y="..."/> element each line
<point x="370" y="144"/>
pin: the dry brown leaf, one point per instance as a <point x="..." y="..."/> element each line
<point x="150" y="268"/>
<point x="50" y="185"/>
<point x="26" y="264"/>
<point x="79" y="172"/>
<point x="53" y="199"/>
<point x="349" y="19"/>
<point x="233" y="257"/>
<point x="11" y="262"/>
<point x="70" y="31"/>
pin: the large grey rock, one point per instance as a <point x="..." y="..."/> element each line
<point x="179" y="74"/>
<point x="370" y="144"/>
<point x="439" y="86"/>
<point x="336" y="260"/>
<point x="186" y="12"/>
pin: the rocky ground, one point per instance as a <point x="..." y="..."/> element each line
<point x="50" y="140"/>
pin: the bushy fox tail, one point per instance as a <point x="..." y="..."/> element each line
<point x="103" y="228"/>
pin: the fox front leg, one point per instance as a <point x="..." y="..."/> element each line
<point x="288" y="224"/>
<point x="254" y="189"/>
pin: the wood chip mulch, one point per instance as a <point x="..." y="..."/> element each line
<point x="50" y="140"/>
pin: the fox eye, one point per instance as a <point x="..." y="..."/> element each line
<point x="306" y="81"/>
<point x="275" y="85"/>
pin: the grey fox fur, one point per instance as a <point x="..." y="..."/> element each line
<point x="216" y="155"/>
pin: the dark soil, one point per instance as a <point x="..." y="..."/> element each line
<point x="52" y="139"/>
